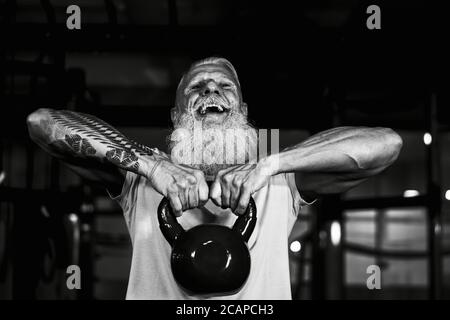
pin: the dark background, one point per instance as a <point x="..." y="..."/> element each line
<point x="303" y="66"/>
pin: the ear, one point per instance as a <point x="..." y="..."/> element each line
<point x="244" y="108"/>
<point x="173" y="114"/>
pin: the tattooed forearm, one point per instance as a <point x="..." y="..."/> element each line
<point x="73" y="145"/>
<point x="123" y="158"/>
<point x="81" y="135"/>
<point x="79" y="144"/>
<point x="97" y="130"/>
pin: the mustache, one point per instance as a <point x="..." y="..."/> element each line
<point x="211" y="100"/>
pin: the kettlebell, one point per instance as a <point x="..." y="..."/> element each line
<point x="209" y="258"/>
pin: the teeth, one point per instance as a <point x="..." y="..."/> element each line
<point x="204" y="107"/>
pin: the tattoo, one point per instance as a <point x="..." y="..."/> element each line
<point x="80" y="128"/>
<point x="80" y="145"/>
<point x="123" y="158"/>
<point x="63" y="147"/>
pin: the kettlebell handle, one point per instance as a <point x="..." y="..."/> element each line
<point x="172" y="230"/>
<point x="245" y="223"/>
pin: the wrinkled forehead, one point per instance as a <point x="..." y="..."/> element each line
<point x="214" y="71"/>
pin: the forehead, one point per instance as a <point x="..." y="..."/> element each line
<point x="209" y="71"/>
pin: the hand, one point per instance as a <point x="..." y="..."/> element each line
<point x="233" y="186"/>
<point x="185" y="187"/>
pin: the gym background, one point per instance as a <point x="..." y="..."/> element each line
<point x="304" y="67"/>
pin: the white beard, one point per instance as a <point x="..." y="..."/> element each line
<point x="212" y="147"/>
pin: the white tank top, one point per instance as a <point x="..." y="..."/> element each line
<point x="278" y="204"/>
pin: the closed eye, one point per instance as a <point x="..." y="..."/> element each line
<point x="192" y="88"/>
<point x="226" y="86"/>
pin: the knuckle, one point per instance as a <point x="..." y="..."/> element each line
<point x="227" y="178"/>
<point x="246" y="187"/>
<point x="182" y="183"/>
<point x="175" y="205"/>
<point x="237" y="181"/>
<point x="203" y="196"/>
<point x="225" y="194"/>
<point x="191" y="179"/>
<point x="193" y="205"/>
<point x="241" y="208"/>
<point x="172" y="190"/>
<point x="242" y="204"/>
<point x="199" y="174"/>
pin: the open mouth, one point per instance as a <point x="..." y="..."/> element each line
<point x="212" y="108"/>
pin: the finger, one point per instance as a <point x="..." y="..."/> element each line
<point x="175" y="203"/>
<point x="234" y="198"/>
<point x="193" y="197"/>
<point x="191" y="190"/>
<point x="191" y="178"/>
<point x="184" y="197"/>
<point x="215" y="193"/>
<point x="202" y="187"/>
<point x="225" y="183"/>
<point x="203" y="192"/>
<point x="244" y="199"/>
<point x="235" y="192"/>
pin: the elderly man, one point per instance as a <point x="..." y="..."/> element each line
<point x="209" y="99"/>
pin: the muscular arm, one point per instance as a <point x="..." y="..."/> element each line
<point x="98" y="152"/>
<point x="91" y="147"/>
<point x="338" y="159"/>
<point x="332" y="161"/>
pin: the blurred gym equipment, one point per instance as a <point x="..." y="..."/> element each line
<point x="319" y="55"/>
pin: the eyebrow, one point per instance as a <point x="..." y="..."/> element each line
<point x="198" y="79"/>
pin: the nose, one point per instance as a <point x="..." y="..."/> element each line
<point x="210" y="87"/>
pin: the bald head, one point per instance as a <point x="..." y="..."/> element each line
<point x="217" y="61"/>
